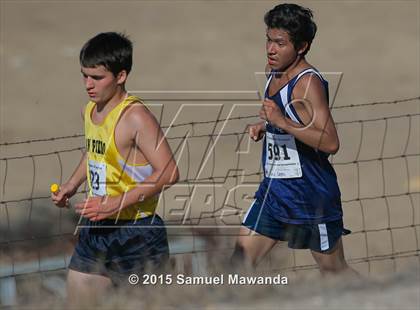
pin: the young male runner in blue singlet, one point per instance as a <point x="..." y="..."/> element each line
<point x="298" y="200"/>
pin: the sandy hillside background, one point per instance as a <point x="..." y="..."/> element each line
<point x="218" y="46"/>
<point x="188" y="45"/>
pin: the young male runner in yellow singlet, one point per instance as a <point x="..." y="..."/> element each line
<point x="127" y="163"/>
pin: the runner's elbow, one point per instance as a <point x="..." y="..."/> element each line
<point x="172" y="174"/>
<point x="175" y="175"/>
<point x="333" y="147"/>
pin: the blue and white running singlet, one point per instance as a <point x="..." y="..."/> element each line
<point x="299" y="185"/>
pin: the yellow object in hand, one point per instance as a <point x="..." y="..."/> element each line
<point x="55" y="188"/>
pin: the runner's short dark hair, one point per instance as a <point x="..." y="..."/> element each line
<point x="296" y="20"/>
<point x="112" y="50"/>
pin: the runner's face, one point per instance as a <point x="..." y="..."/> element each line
<point x="101" y="84"/>
<point x="281" y="52"/>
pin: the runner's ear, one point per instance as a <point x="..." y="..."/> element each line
<point x="303" y="48"/>
<point x="122" y="77"/>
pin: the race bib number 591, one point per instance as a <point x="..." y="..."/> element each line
<point x="97" y="176"/>
<point x="282" y="158"/>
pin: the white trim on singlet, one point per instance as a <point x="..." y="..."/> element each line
<point x="284" y="91"/>
<point x="284" y="98"/>
<point x="312" y="70"/>
<point x="265" y="91"/>
<point x="267" y="84"/>
<point x="136" y="172"/>
<point x="294" y="115"/>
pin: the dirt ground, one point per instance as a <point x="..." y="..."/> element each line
<point x="212" y="49"/>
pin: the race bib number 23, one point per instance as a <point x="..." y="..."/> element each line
<point x="97" y="176"/>
<point x="282" y="158"/>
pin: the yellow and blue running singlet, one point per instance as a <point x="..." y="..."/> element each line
<point x="108" y="173"/>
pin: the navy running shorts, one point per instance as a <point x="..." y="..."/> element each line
<point x="116" y="250"/>
<point x="317" y="237"/>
